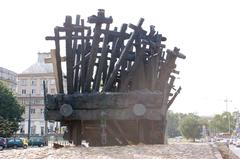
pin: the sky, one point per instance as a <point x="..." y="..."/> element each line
<point x="206" y="31"/>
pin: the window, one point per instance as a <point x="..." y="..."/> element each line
<point x="46" y="82"/>
<point x="33" y="130"/>
<point x="24" y="101"/>
<point x="41" y="82"/>
<point x="51" y="128"/>
<point x="22" y="129"/>
<point x="26" y="111"/>
<point x="33" y="91"/>
<point x="24" y="91"/>
<point x="23" y="82"/>
<point x="52" y="81"/>
<point x="42" y="130"/>
<point x="38" y="101"/>
<point x="42" y="111"/>
<point x="32" y="111"/>
<point x="33" y="82"/>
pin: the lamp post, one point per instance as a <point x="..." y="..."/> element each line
<point x="29" y="116"/>
<point x="46" y="125"/>
<point x="236" y="116"/>
<point x="229" y="124"/>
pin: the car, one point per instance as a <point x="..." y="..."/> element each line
<point x="237" y="143"/>
<point x="3" y="143"/>
<point x="37" y="141"/>
<point x="17" y="142"/>
<point x="233" y="141"/>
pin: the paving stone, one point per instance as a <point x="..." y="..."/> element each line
<point x="171" y="151"/>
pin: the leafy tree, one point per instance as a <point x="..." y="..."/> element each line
<point x="10" y="112"/>
<point x="205" y="122"/>
<point x="220" y="123"/>
<point x="173" y="120"/>
<point x="190" y="126"/>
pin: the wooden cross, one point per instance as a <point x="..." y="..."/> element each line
<point x="56" y="71"/>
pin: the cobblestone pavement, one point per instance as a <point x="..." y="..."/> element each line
<point x="172" y="151"/>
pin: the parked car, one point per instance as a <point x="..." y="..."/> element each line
<point x="36" y="141"/>
<point x="238" y="143"/>
<point x="235" y="141"/>
<point x="17" y="142"/>
<point x="3" y="143"/>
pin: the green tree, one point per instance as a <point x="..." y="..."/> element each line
<point x="172" y="124"/>
<point x="10" y="112"/>
<point x="190" y="126"/>
<point x="220" y="123"/>
<point x="173" y="120"/>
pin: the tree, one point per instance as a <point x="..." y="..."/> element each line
<point x="10" y="112"/>
<point x="173" y="120"/>
<point x="190" y="126"/>
<point x="220" y="123"/>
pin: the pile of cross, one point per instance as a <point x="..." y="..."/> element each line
<point x="105" y="60"/>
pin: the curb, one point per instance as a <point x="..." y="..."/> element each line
<point x="215" y="150"/>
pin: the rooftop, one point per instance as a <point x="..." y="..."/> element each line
<point x="40" y="66"/>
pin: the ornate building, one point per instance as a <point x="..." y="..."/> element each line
<point x="31" y="95"/>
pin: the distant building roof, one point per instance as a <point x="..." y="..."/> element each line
<point x="40" y="66"/>
<point x="9" y="78"/>
<point x="4" y="70"/>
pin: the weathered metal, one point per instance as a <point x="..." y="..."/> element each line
<point x="119" y="85"/>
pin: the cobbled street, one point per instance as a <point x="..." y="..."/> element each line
<point x="172" y="151"/>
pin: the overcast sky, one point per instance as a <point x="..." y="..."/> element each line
<point x="206" y="31"/>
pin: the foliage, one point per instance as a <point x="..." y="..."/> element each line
<point x="191" y="127"/>
<point x="220" y="123"/>
<point x="191" y="124"/>
<point x="10" y="112"/>
<point x="173" y="120"/>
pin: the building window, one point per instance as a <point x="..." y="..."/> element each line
<point x="24" y="91"/>
<point x="33" y="130"/>
<point x="51" y="128"/>
<point x="24" y="101"/>
<point x="42" y="111"/>
<point x="33" y="91"/>
<point x="42" y="130"/>
<point x="32" y="111"/>
<point x="46" y="82"/>
<point x="22" y="130"/>
<point x="23" y="82"/>
<point x="41" y="82"/>
<point x="52" y="81"/>
<point x="38" y="101"/>
<point x="34" y="83"/>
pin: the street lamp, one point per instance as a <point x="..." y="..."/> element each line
<point x="46" y="125"/>
<point x="229" y="124"/>
<point x="29" y="116"/>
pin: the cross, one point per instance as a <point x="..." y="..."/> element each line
<point x="53" y="60"/>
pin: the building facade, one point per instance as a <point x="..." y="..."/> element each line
<point x="8" y="78"/>
<point x="30" y="93"/>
